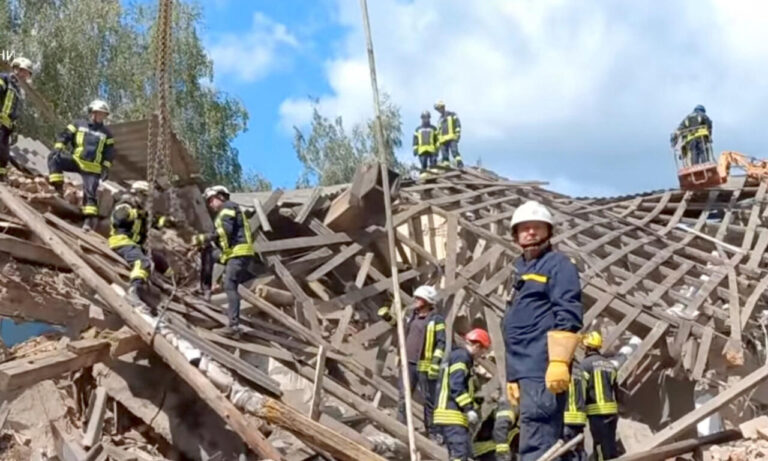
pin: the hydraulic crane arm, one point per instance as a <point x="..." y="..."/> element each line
<point x="755" y="168"/>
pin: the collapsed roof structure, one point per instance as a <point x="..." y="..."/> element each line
<point x="674" y="279"/>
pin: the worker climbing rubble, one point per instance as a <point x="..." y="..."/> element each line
<point x="456" y="411"/>
<point x="128" y="232"/>
<point x="575" y="414"/>
<point x="425" y="144"/>
<point x="11" y="99"/>
<point x="448" y="136"/>
<point x="694" y="136"/>
<point x="602" y="405"/>
<point x="497" y="438"/>
<point x="232" y="236"/>
<point x="540" y="329"/>
<point x="425" y="348"/>
<point x="90" y="150"/>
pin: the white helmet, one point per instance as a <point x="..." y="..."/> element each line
<point x="213" y="191"/>
<point x="531" y="211"/>
<point x="22" y="63"/>
<point x="140" y="186"/>
<point x="98" y="105"/>
<point x="427" y="293"/>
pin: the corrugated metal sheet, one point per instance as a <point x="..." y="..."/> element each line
<point x="293" y="197"/>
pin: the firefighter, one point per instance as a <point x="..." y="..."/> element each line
<point x="575" y="414"/>
<point x="695" y="133"/>
<point x="540" y="328"/>
<point x="449" y="135"/>
<point x="456" y="409"/>
<point x="11" y="98"/>
<point x="92" y="150"/>
<point x="425" y="348"/>
<point x="127" y="235"/>
<point x="425" y="144"/>
<point x="602" y="405"/>
<point x="497" y="438"/>
<point x="232" y="235"/>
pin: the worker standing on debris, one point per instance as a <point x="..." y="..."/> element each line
<point x="575" y="414"/>
<point x="11" y="98"/>
<point x="232" y="235"/>
<point x="449" y="136"/>
<point x="456" y="411"/>
<point x="695" y="134"/>
<point x="497" y="438"/>
<point x="602" y="406"/>
<point x="425" y="144"/>
<point x="425" y="348"/>
<point x="129" y="228"/>
<point x="92" y="150"/>
<point x="540" y="329"/>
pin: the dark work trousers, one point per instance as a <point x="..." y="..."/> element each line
<point x="603" y="429"/>
<point x="207" y="260"/>
<point x="58" y="163"/>
<point x="698" y="150"/>
<point x="428" y="160"/>
<point x="5" y="148"/>
<point x="541" y="418"/>
<point x="427" y="387"/>
<point x="457" y="441"/>
<point x="570" y="432"/>
<point x="140" y="264"/>
<point x="449" y="149"/>
<point x="237" y="271"/>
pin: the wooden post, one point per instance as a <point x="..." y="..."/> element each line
<point x="383" y="161"/>
<point x="207" y="391"/>
<point x="317" y="388"/>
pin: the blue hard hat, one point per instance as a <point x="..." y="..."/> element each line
<point x="700" y="108"/>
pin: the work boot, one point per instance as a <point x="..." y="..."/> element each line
<point x="459" y="164"/>
<point x="437" y="438"/>
<point x="132" y="296"/>
<point x="89" y="223"/>
<point x="232" y="332"/>
<point x="207" y="295"/>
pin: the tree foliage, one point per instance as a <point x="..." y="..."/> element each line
<point x="85" y="49"/>
<point x="255" y="182"/>
<point x="330" y="154"/>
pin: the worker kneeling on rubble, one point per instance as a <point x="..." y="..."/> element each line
<point x="128" y="232"/>
<point x="540" y="329"/>
<point x="425" y="348"/>
<point x="232" y="235"/>
<point x="10" y="108"/>
<point x="92" y="150"/>
<point x="602" y="405"/>
<point x="457" y="412"/>
<point x="497" y="440"/>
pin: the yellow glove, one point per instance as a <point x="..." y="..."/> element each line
<point x="561" y="346"/>
<point x="198" y="240"/>
<point x="513" y="394"/>
<point x="385" y="314"/>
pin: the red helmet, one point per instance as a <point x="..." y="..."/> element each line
<point x="480" y="336"/>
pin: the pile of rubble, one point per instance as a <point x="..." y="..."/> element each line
<point x="675" y="281"/>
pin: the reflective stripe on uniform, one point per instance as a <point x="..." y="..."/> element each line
<point x="89" y="166"/>
<point x="601" y="405"/>
<point x="481" y="448"/>
<point x="5" y="113"/>
<point x="448" y="131"/>
<point x="535" y="278"/>
<point x="120" y="240"/>
<point x="572" y="414"/>
<point x="138" y="272"/>
<point x="90" y="210"/>
<point x="56" y="177"/>
<point x="241" y="249"/>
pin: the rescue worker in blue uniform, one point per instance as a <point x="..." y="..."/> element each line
<point x="540" y="328"/>
<point x="575" y="414"/>
<point x="456" y="411"/>
<point x="602" y="392"/>
<point x="425" y="349"/>
<point x="425" y="144"/>
<point x="92" y="149"/>
<point x="695" y="133"/>
<point x="498" y="435"/>
<point x="11" y="98"/>
<point x="232" y="235"/>
<point x="448" y="136"/>
<point x="127" y="236"/>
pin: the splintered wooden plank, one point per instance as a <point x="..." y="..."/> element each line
<point x="658" y="209"/>
<point x="499" y="278"/>
<point x="668" y="283"/>
<point x="605" y="239"/>
<point x="260" y="219"/>
<point x="632" y="207"/>
<point x="310" y="204"/>
<point x="678" y="213"/>
<point x="757" y="254"/>
<point x="346" y="253"/>
<point x="302" y="298"/>
<point x="451" y="247"/>
<point x="754" y="217"/>
<point x="368" y="290"/>
<point x="495" y="218"/>
<point x="280" y="316"/>
<point x="408" y="213"/>
<point x="620" y="329"/>
<point x="615" y="256"/>
<point x="733" y="307"/>
<point x="597" y="308"/>
<point x="317" y="386"/>
<point x="645" y="346"/>
<point x="703" y="355"/>
<point x="272" y="246"/>
<point x="749" y="306"/>
<point x="467" y="195"/>
<point x="497" y="342"/>
<point x="362" y="273"/>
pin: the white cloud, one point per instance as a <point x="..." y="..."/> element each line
<point x="254" y="54"/>
<point x="585" y="92"/>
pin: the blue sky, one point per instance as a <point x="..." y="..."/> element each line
<point x="581" y="93"/>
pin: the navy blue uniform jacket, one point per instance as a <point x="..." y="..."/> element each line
<point x="547" y="297"/>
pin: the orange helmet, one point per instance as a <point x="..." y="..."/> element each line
<point x="480" y="336"/>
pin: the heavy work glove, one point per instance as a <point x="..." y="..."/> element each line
<point x="434" y="369"/>
<point x="513" y="394"/>
<point x="561" y="346"/>
<point x="104" y="173"/>
<point x="385" y="314"/>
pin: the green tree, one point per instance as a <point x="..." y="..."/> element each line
<point x="94" y="48"/>
<point x="255" y="182"/>
<point x="330" y="154"/>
